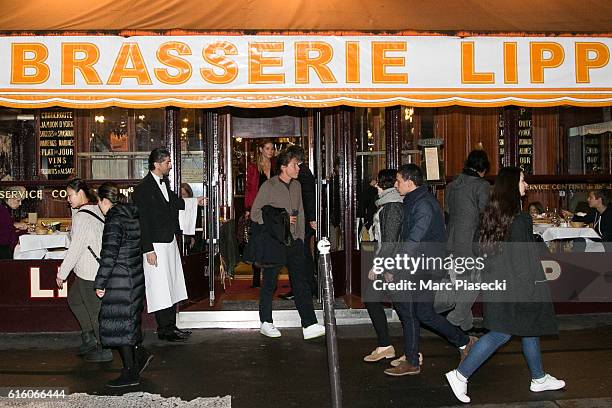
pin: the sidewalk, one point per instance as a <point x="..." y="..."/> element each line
<point x="261" y="372"/>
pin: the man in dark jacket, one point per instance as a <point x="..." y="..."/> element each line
<point x="158" y="206"/>
<point x="308" y="183"/>
<point x="422" y="234"/>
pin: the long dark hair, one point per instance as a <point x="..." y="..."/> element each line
<point x="504" y="205"/>
<point x="111" y="192"/>
<point x="77" y="184"/>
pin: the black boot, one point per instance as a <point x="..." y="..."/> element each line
<point x="129" y="374"/>
<point x="88" y="343"/>
<point x="99" y="355"/>
<point x="128" y="378"/>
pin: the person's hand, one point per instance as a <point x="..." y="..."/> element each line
<point x="292" y="219"/>
<point x="202" y="201"/>
<point x="313" y="225"/>
<point x="371" y="275"/>
<point x="388" y="277"/>
<point x="60" y="282"/>
<point x="20" y="225"/>
<point x="567" y="214"/>
<point x="100" y="293"/>
<point x="152" y="258"/>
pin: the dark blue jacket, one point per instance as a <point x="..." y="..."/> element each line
<point x="423" y="225"/>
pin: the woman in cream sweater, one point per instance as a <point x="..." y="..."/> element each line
<point x="86" y="237"/>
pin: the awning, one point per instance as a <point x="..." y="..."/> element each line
<point x="471" y="16"/>
<point x="307" y="71"/>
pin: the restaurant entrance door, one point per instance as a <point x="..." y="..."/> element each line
<point x="231" y="138"/>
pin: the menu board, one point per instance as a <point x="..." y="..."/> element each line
<point x="501" y="139"/>
<point x="56" y="141"/>
<point x="525" y="140"/>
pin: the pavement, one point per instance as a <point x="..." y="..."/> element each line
<point x="255" y="371"/>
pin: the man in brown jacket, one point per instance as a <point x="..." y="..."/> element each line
<point x="284" y="191"/>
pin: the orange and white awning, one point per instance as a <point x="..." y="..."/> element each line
<point x="308" y="71"/>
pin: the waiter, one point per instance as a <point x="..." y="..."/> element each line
<point x="164" y="281"/>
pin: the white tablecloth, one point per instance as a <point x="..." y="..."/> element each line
<point x="549" y="233"/>
<point x="33" y="246"/>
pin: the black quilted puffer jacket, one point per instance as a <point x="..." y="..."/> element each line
<point x="121" y="275"/>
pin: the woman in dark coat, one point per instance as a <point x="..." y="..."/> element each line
<point x="524" y="308"/>
<point x="120" y="284"/>
<point x="387" y="224"/>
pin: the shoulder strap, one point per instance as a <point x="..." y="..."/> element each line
<point x="93" y="215"/>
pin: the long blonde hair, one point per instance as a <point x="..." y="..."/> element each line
<point x="259" y="155"/>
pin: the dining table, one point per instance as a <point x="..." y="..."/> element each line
<point x="42" y="246"/>
<point x="551" y="232"/>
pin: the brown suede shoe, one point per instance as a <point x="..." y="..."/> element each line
<point x="403" y="369"/>
<point x="379" y="353"/>
<point x="464" y="353"/>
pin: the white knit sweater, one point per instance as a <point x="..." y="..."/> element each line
<point x="86" y="231"/>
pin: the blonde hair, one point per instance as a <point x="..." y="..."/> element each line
<point x="259" y="160"/>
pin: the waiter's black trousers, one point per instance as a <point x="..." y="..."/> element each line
<point x="166" y="320"/>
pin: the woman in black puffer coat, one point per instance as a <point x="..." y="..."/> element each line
<point x="121" y="285"/>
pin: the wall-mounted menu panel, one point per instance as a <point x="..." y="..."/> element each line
<point x="56" y="143"/>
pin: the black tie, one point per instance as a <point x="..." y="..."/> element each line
<point x="161" y="181"/>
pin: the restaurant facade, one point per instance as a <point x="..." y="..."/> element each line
<point x="360" y="89"/>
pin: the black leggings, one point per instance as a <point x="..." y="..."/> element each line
<point x="128" y="356"/>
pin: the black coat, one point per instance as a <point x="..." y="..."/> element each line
<point x="525" y="308"/>
<point x="308" y="184"/>
<point x="158" y="217"/>
<point x="269" y="241"/>
<point x="121" y="275"/>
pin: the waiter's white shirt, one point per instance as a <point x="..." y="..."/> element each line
<point x="162" y="186"/>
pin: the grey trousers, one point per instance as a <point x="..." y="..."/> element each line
<point x="85" y="305"/>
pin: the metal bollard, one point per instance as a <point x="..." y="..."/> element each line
<point x="325" y="270"/>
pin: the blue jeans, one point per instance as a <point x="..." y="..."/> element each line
<point x="490" y="342"/>
<point x="412" y="314"/>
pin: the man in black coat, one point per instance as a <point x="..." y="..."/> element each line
<point x="158" y="206"/>
<point x="308" y="183"/>
<point x="422" y="234"/>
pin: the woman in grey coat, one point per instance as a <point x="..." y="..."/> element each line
<point x="464" y="200"/>
<point x="524" y="308"/>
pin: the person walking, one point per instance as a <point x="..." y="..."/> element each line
<point x="525" y="309"/>
<point x="422" y="235"/>
<point x="387" y="226"/>
<point x="258" y="173"/>
<point x="120" y="283"/>
<point x="464" y="200"/>
<point x="85" y="244"/>
<point x="308" y="184"/>
<point x="285" y="193"/>
<point x="158" y="207"/>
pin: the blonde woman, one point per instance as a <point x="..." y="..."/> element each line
<point x="258" y="173"/>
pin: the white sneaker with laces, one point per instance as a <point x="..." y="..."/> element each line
<point x="458" y="386"/>
<point x="313" y="331"/>
<point x="268" y="329"/>
<point x="546" y="383"/>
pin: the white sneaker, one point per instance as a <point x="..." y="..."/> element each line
<point x="546" y="383"/>
<point x="268" y="329"/>
<point x="313" y="331"/>
<point x="458" y="386"/>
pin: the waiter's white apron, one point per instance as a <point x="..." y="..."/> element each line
<point x="164" y="283"/>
